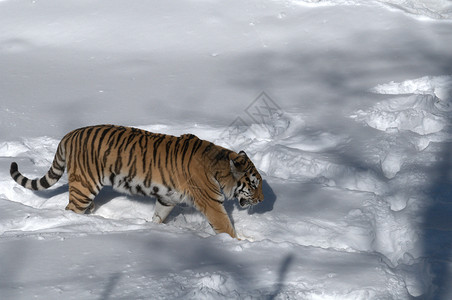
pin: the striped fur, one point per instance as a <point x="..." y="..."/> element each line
<point x="172" y="169"/>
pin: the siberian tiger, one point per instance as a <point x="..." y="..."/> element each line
<point x="172" y="169"/>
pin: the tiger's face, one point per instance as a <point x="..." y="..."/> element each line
<point x="248" y="190"/>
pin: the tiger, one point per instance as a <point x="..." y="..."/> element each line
<point x="174" y="170"/>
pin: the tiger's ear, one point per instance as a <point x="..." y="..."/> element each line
<point x="238" y="164"/>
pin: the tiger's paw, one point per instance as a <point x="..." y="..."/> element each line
<point x="242" y="237"/>
<point x="156" y="219"/>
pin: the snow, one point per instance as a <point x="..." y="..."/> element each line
<point x="343" y="106"/>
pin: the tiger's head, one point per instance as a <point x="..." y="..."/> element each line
<point x="248" y="189"/>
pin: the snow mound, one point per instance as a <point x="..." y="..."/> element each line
<point x="424" y="112"/>
<point x="12" y="149"/>
<point x="433" y="9"/>
<point x="438" y="86"/>
<point x="436" y="9"/>
<point x="413" y="113"/>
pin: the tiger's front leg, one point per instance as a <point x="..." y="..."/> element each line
<point x="161" y="212"/>
<point x="217" y="217"/>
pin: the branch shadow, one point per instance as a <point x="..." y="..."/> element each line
<point x="282" y="275"/>
<point x="111" y="284"/>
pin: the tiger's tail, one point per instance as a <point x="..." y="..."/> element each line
<point x="50" y="178"/>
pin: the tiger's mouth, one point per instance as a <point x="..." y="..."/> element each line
<point x="244" y="203"/>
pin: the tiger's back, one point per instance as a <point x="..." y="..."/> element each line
<point x="172" y="169"/>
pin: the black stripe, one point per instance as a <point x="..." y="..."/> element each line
<point x="170" y="156"/>
<point x="185" y="147"/>
<point x="127" y="186"/>
<point x="216" y="200"/>
<point x="16" y="176"/>
<point x="162" y="202"/>
<point x="86" y="154"/>
<point x="118" y="139"/>
<point x="157" y="143"/>
<point x="173" y="184"/>
<point x="143" y="142"/>
<point x="140" y="190"/>
<point x="208" y="148"/>
<point x="176" y="147"/>
<point x="84" y="200"/>
<point x="99" y="170"/>
<point x="148" y="178"/>
<point x="77" y="145"/>
<point x="118" y="165"/>
<point x="44" y="183"/>
<point x="106" y="153"/>
<point x="131" y="137"/>
<point x="111" y="138"/>
<point x="195" y="148"/>
<point x="102" y="137"/>
<point x="91" y="190"/>
<point x="132" y="169"/>
<point x="34" y="184"/>
<point x="155" y="190"/>
<point x="24" y="182"/>
<point x="165" y="181"/>
<point x="56" y="165"/>
<point x="53" y="175"/>
<point x="112" y="179"/>
<point x="82" y="196"/>
<point x="93" y="154"/>
<point x="132" y="152"/>
<point x="56" y="160"/>
<point x="77" y="206"/>
<point x="168" y="149"/>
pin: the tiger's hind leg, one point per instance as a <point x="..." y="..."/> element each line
<point x="81" y="195"/>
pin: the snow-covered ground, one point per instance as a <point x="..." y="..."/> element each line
<point x="356" y="154"/>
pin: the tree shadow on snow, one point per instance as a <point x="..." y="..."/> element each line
<point x="437" y="222"/>
<point x="202" y="258"/>
<point x="437" y="218"/>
